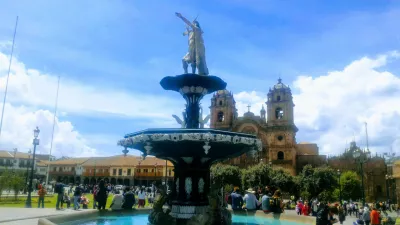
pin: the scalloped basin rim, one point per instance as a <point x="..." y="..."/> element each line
<point x="184" y="130"/>
<point x="175" y="83"/>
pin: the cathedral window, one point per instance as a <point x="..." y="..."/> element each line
<point x="220" y="102"/>
<point x="278" y="113"/>
<point x="221" y="117"/>
<point x="379" y="189"/>
<point x="280" y="138"/>
<point x="278" y="98"/>
<point x="281" y="155"/>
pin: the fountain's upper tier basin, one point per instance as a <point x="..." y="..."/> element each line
<point x="198" y="83"/>
<point x="210" y="144"/>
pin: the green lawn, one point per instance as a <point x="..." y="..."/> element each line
<point x="49" y="201"/>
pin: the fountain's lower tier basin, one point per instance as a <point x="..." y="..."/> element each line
<point x="209" y="144"/>
<point x="140" y="217"/>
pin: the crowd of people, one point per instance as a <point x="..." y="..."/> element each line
<point x="123" y="197"/>
<point x="268" y="200"/>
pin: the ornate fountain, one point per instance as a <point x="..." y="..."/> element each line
<point x="191" y="149"/>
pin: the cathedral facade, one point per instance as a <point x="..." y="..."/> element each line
<point x="274" y="126"/>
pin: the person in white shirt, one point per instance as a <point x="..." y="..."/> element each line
<point x="117" y="201"/>
<point x="250" y="200"/>
<point x="142" y="198"/>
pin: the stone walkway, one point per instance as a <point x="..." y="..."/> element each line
<point x="18" y="216"/>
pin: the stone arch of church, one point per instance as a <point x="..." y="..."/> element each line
<point x="246" y="127"/>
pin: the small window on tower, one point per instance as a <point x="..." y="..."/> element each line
<point x="220" y="102"/>
<point x="281" y="155"/>
<point x="220" y="117"/>
<point x="278" y="113"/>
<point x="278" y="98"/>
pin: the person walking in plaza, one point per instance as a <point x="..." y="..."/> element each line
<point x="374" y="217"/>
<point x="142" y="198"/>
<point x="101" y="196"/>
<point x="366" y="216"/>
<point x="59" y="190"/>
<point x="341" y="214"/>
<point x="77" y="195"/>
<point x="95" y="190"/>
<point x="42" y="192"/>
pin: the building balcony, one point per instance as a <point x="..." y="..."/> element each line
<point x="98" y="174"/>
<point x="149" y="174"/>
<point x="71" y="173"/>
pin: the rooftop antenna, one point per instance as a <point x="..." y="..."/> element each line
<point x="52" y="134"/>
<point x="8" y="76"/>
<point x="366" y="135"/>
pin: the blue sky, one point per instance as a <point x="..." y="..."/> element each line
<point x="126" y="47"/>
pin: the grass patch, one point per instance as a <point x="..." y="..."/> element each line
<point x="49" y="201"/>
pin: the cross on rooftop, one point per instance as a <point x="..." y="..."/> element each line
<point x="248" y="107"/>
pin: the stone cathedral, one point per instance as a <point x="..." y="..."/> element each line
<point x="274" y="125"/>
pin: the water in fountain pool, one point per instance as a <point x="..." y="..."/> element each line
<point x="143" y="219"/>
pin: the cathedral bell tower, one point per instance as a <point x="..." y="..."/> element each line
<point x="281" y="127"/>
<point x="223" y="110"/>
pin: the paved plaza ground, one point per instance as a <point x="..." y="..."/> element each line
<point x="31" y="216"/>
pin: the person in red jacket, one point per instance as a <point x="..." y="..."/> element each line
<point x="41" y="193"/>
<point x="306" y="209"/>
<point x="374" y="217"/>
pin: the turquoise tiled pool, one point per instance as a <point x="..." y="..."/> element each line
<point x="142" y="220"/>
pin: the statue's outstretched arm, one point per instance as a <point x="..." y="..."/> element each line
<point x="184" y="20"/>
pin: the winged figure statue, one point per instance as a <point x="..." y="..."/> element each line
<point x="180" y="121"/>
<point x="201" y="120"/>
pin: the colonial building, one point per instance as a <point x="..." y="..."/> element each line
<point x="274" y="126"/>
<point x="126" y="170"/>
<point x="22" y="161"/>
<point x="374" y="172"/>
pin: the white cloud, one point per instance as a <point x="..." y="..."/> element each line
<point x="32" y="93"/>
<point x="333" y="107"/>
<point x="18" y="126"/>
<point x="32" y="87"/>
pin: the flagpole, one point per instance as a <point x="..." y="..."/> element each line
<point x="52" y="134"/>
<point x="8" y="76"/>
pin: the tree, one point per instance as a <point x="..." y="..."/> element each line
<point x="4" y="181"/>
<point x="283" y="180"/>
<point x="16" y="183"/>
<point x="257" y="175"/>
<point x="350" y="184"/>
<point x="226" y="174"/>
<point x="317" y="180"/>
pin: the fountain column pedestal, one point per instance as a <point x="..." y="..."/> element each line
<point x="191" y="187"/>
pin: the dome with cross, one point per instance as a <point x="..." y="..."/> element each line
<point x="280" y="85"/>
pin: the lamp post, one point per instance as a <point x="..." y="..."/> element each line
<point x="28" y="203"/>
<point x="140" y="181"/>
<point x="340" y="187"/>
<point x="387" y="186"/>
<point x="166" y="172"/>
<point x="27" y="169"/>
<point x="362" y="157"/>
<point x="270" y="163"/>
<point x="155" y="172"/>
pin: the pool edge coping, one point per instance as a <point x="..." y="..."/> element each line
<point x="57" y="219"/>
